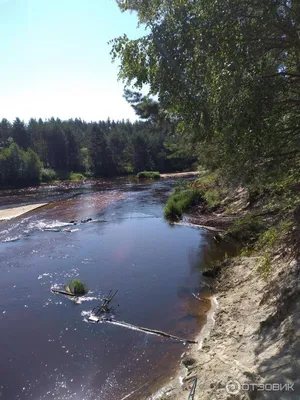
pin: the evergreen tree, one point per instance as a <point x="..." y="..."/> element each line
<point x="20" y="134"/>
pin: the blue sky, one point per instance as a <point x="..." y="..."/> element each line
<point x="55" y="59"/>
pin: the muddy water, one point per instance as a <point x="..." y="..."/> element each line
<point x="48" y="351"/>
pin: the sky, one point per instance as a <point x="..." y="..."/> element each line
<point x="55" y="59"/>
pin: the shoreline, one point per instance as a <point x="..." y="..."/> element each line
<point x="250" y="346"/>
<point x="185" y="374"/>
<point x="244" y="345"/>
<point x="14" y="212"/>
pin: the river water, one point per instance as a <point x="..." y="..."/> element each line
<point x="48" y="350"/>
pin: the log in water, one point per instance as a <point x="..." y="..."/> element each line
<point x="94" y="318"/>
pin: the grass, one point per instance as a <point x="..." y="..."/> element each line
<point x="148" y="175"/>
<point x="76" y="177"/>
<point x="187" y="194"/>
<point x="180" y="202"/>
<point x="77" y="287"/>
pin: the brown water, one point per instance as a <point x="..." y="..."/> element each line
<point x="48" y="351"/>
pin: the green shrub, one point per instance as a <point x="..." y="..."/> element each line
<point x="48" y="175"/>
<point x="212" y="197"/>
<point x="77" y="287"/>
<point x="180" y="202"/>
<point x="75" y="177"/>
<point x="247" y="229"/>
<point x="209" y="187"/>
<point x="148" y="175"/>
<point x="208" y="180"/>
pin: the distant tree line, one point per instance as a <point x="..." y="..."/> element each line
<point x="105" y="148"/>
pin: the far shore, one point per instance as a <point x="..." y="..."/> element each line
<point x="10" y="213"/>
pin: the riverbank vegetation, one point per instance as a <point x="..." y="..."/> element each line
<point x="148" y="175"/>
<point x="44" y="151"/>
<point x="238" y="109"/>
<point x="19" y="167"/>
<point x="182" y="200"/>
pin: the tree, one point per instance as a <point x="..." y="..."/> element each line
<point x="20" y="134"/>
<point x="228" y="74"/>
<point x="105" y="148"/>
<point x="73" y="153"/>
<point x="5" y="132"/>
<point x="100" y="153"/>
<point x="19" y="167"/>
<point x="33" y="167"/>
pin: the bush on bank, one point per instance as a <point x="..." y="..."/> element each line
<point x="180" y="202"/>
<point x="148" y="175"/>
<point x="76" y="177"/>
<point x="48" y="175"/>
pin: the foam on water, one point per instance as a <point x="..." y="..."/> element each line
<point x="11" y="239"/>
<point x="43" y="224"/>
<point x="82" y="299"/>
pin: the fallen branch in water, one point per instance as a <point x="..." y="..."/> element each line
<point x="94" y="318"/>
<point x="199" y="298"/>
<point x="64" y="292"/>
<point x="192" y="225"/>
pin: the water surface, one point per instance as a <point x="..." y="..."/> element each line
<point x="48" y="350"/>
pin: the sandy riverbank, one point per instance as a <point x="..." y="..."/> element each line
<point x="255" y="339"/>
<point x="252" y="350"/>
<point x="14" y="212"/>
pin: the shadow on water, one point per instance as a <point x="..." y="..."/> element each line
<point x="50" y="352"/>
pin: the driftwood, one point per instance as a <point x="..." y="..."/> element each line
<point x="94" y="318"/>
<point x="105" y="306"/>
<point x="199" y="298"/>
<point x="59" y="291"/>
<point x="192" y="225"/>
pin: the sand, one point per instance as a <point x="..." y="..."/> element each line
<point x="10" y="213"/>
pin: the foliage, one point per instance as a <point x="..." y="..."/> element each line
<point x="48" y="175"/>
<point x="264" y="265"/>
<point x="19" y="167"/>
<point x="148" y="175"/>
<point x="212" y="197"/>
<point x="181" y="201"/>
<point x="105" y="148"/>
<point x="76" y="177"/>
<point x="210" y="188"/>
<point x="247" y="229"/>
<point x="76" y="287"/>
<point x="209" y="180"/>
<point x="227" y="73"/>
<point x="266" y="243"/>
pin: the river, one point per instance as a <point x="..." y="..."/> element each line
<point x="48" y="350"/>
